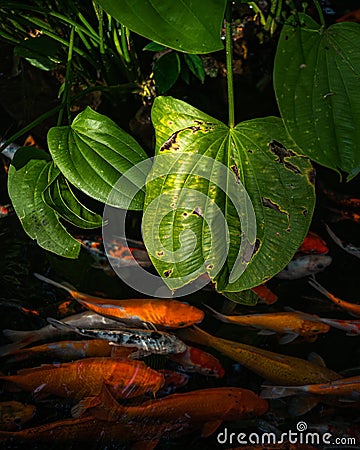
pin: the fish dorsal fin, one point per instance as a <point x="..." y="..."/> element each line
<point x="316" y="359"/>
<point x="31" y="370"/>
<point x="210" y="427"/>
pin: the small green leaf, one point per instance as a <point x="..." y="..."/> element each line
<point x="189" y="26"/>
<point x="199" y="218"/>
<point x="59" y="196"/>
<point x="154" y="47"/>
<point x="316" y="80"/>
<point x="40" y="52"/>
<point x="93" y="153"/>
<point x="195" y="64"/>
<point x="166" y="71"/>
<point x="27" y="181"/>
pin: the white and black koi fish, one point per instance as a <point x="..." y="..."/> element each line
<point x="146" y="341"/>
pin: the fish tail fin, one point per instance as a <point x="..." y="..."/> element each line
<point x="316" y="285"/>
<point x="272" y="392"/>
<point x="18" y="336"/>
<point x="9" y="349"/>
<point x="53" y="283"/>
<point x="102" y="406"/>
<point x="217" y="314"/>
<point x="84" y="405"/>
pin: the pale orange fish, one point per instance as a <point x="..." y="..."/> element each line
<point x="23" y="338"/>
<point x="83" y="378"/>
<point x="352" y="308"/>
<point x="63" y="350"/>
<point x="271" y="366"/>
<point x="345" y="387"/>
<point x="291" y="324"/>
<point x="161" y="312"/>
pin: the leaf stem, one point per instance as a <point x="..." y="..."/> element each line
<point x="229" y="72"/>
<point x="30" y="126"/>
<point x="321" y="15"/>
<point x="66" y="95"/>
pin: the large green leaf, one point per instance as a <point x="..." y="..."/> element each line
<point x="93" y="153"/>
<point x="27" y="180"/>
<point x="60" y="197"/>
<point x="316" y="79"/>
<point x="192" y="26"/>
<point x="185" y="186"/>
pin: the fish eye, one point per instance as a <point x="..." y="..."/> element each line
<point x="320" y="266"/>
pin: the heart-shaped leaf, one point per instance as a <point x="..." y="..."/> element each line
<point x="316" y="80"/>
<point x="60" y="197"/>
<point x="201" y="168"/>
<point x="190" y="26"/>
<point x="27" y="180"/>
<point x="93" y="153"/>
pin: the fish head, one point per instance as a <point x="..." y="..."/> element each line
<point x="207" y="364"/>
<point x="311" y="328"/>
<point x="181" y="315"/>
<point x="318" y="263"/>
<point x="246" y="403"/>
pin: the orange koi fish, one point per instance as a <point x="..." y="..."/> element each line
<point x="6" y="210"/>
<point x="345" y="387"/>
<point x="161" y="312"/>
<point x="83" y="378"/>
<point x="349" y="248"/>
<point x="92" y="433"/>
<point x="271" y="366"/>
<point x="293" y="324"/>
<point x="353" y="16"/>
<point x="63" y="350"/>
<point x="265" y="294"/>
<point x="206" y="406"/>
<point x="352" y="308"/>
<point x="313" y="244"/>
<point x="13" y="414"/>
<point x="344" y="215"/>
<point x="196" y="360"/>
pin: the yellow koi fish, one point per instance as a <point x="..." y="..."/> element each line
<point x="292" y="324"/>
<point x="271" y="366"/>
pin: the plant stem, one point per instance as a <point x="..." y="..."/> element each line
<point x="229" y="72"/>
<point x="30" y="126"/>
<point x="321" y="15"/>
<point x="66" y="95"/>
